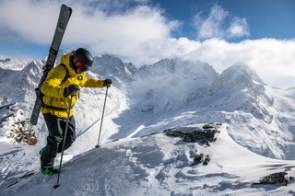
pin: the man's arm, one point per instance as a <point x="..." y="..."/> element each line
<point x="93" y="83"/>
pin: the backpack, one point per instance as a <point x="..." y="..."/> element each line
<point x="51" y="107"/>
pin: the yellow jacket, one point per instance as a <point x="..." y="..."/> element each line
<point x="53" y="88"/>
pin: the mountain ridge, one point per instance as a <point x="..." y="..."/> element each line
<point x="170" y="93"/>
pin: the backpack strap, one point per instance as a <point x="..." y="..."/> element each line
<point x="67" y="74"/>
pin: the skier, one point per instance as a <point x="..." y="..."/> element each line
<point x="60" y="91"/>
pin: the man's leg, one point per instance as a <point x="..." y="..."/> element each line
<point x="48" y="153"/>
<point x="71" y="134"/>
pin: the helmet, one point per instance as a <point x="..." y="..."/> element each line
<point x="82" y="60"/>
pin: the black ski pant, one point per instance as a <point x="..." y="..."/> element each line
<point x="56" y="128"/>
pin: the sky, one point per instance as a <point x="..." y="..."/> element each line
<point x="258" y="33"/>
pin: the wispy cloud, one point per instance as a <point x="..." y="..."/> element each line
<point x="140" y="34"/>
<point x="238" y="28"/>
<point x="212" y="25"/>
<point x="220" y="24"/>
<point x="272" y="59"/>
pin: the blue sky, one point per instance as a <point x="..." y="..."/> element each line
<point x="265" y="19"/>
<point x="259" y="33"/>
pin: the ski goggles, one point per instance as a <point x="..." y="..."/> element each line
<point x="80" y="67"/>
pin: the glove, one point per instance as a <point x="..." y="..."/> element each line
<point x="107" y="82"/>
<point x="71" y="90"/>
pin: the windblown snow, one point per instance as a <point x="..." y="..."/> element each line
<point x="256" y="135"/>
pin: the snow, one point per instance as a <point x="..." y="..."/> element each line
<point x="160" y="165"/>
<point x="256" y="139"/>
<point x="9" y="63"/>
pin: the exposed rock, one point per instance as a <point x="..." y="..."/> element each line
<point x="209" y="126"/>
<point x="22" y="133"/>
<point x="5" y="60"/>
<point x="193" y="134"/>
<point x="20" y="129"/>
<point x="275" y="179"/>
<point x="201" y="159"/>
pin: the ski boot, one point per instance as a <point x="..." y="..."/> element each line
<point x="48" y="171"/>
<point x="47" y="168"/>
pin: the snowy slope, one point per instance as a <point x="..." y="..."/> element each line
<point x="161" y="165"/>
<point x="170" y="93"/>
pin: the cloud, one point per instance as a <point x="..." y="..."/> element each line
<point x="110" y="6"/>
<point x="273" y="60"/>
<point x="212" y="25"/>
<point x="215" y="24"/>
<point x="140" y="34"/>
<point x="238" y="28"/>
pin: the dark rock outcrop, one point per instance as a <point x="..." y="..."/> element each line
<point x="274" y="179"/>
<point x="203" y="136"/>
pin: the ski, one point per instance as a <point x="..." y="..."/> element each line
<point x="63" y="19"/>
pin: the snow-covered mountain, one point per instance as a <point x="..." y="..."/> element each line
<point x="5" y="60"/>
<point x="237" y="96"/>
<point x="9" y="63"/>
<point x="170" y="93"/>
<point x="166" y="84"/>
<point x="113" y="67"/>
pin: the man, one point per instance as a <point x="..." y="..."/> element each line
<point x="60" y="91"/>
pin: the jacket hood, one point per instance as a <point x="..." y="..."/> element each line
<point x="65" y="60"/>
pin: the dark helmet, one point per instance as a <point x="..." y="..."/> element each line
<point x="82" y="60"/>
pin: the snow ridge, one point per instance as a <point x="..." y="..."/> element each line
<point x="170" y="93"/>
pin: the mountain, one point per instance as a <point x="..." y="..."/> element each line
<point x="24" y="82"/>
<point x="257" y="126"/>
<point x="10" y="63"/>
<point x="171" y="88"/>
<point x="239" y="88"/>
<point x="5" y="60"/>
<point x="110" y="66"/>
<point x="166" y="84"/>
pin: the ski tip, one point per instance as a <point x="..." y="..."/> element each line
<point x="64" y="6"/>
<point x="71" y="11"/>
<point x="56" y="186"/>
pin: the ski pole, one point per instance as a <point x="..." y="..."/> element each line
<point x="63" y="143"/>
<point x="103" y="109"/>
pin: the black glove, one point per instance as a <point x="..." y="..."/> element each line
<point x="107" y="82"/>
<point x="71" y="90"/>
